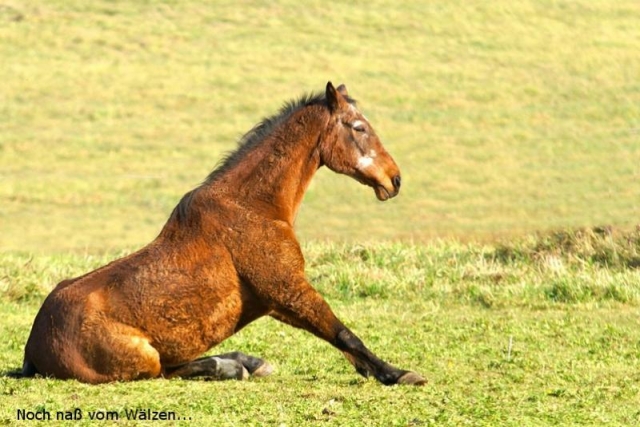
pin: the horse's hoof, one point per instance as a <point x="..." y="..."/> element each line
<point x="263" y="370"/>
<point x="412" y="378"/>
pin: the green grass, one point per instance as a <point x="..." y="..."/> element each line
<point x="508" y="119"/>
<point x="567" y="366"/>
<point x="505" y="118"/>
<point x="567" y="303"/>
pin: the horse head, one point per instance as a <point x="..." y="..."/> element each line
<point x="350" y="146"/>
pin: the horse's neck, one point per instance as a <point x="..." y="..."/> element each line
<point x="273" y="176"/>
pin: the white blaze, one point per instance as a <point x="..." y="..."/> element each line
<point x="366" y="161"/>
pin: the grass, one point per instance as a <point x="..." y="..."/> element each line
<point x="505" y="119"/>
<point x="567" y="367"/>
<point x="509" y="120"/>
<point x="537" y="331"/>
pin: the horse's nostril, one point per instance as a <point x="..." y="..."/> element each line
<point x="397" y="181"/>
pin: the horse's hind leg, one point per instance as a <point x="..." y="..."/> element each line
<point x="215" y="368"/>
<point x="116" y="352"/>
<point x="226" y="366"/>
<point x="254" y="365"/>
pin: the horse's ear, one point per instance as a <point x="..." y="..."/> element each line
<point x="343" y="90"/>
<point x="335" y="99"/>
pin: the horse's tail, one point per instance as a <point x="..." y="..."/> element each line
<point x="28" y="370"/>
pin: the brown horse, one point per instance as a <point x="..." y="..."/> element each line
<point x="227" y="256"/>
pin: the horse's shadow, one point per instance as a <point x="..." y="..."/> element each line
<point x="13" y="374"/>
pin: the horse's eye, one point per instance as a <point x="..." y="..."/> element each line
<point x="358" y="126"/>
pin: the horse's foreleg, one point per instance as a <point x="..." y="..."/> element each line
<point x="309" y="311"/>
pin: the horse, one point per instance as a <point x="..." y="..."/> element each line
<point x="227" y="256"/>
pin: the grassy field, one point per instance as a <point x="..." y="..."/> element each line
<point x="508" y="119"/>
<point x="544" y="331"/>
<point x="505" y="117"/>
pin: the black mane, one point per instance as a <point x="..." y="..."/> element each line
<point x="260" y="131"/>
<point x="250" y="140"/>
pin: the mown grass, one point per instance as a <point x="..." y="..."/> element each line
<point x="527" y="332"/>
<point x="509" y="117"/>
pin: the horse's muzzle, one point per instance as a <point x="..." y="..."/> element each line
<point x="383" y="193"/>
